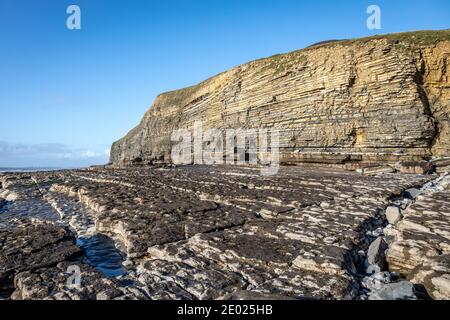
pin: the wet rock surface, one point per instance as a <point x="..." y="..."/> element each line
<point x="59" y="283"/>
<point x="30" y="246"/>
<point x="202" y="232"/>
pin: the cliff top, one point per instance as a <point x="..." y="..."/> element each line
<point x="414" y="38"/>
<point x="424" y="37"/>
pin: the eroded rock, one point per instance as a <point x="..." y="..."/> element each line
<point x="197" y="232"/>
<point x="31" y="246"/>
<point x="422" y="242"/>
<point x="57" y="283"/>
<point x="434" y="275"/>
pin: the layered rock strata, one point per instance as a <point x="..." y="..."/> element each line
<point x="365" y="101"/>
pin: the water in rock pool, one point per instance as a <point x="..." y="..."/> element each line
<point x="102" y="254"/>
<point x="100" y="250"/>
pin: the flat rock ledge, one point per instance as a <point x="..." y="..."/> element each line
<point x="421" y="249"/>
<point x="31" y="246"/>
<point x="211" y="232"/>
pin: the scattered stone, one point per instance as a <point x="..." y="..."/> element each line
<point x="324" y="204"/>
<point x="393" y="214"/>
<point x="389" y="233"/>
<point x="255" y="295"/>
<point x="376" y="253"/>
<point x="401" y="203"/>
<point x="412" y="193"/>
<point x="373" y="269"/>
<point x="330" y="240"/>
<point x="128" y="263"/>
<point x="443" y="170"/>
<point x="8" y="195"/>
<point x="375" y="233"/>
<point x="403" y="290"/>
<point x="420" y="252"/>
<point x="376" y="280"/>
<point x="437" y="185"/>
<point x="423" y="232"/>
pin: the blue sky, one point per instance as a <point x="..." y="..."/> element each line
<point x="66" y="95"/>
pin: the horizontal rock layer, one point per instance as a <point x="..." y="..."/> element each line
<point x="421" y="249"/>
<point x="384" y="98"/>
<point x="195" y="232"/>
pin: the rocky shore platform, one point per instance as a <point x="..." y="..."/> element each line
<point x="224" y="232"/>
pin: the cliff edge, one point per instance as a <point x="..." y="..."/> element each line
<point x="377" y="99"/>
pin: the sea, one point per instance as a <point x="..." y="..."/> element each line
<point x="30" y="169"/>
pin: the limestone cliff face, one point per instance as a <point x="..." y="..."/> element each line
<point x="382" y="98"/>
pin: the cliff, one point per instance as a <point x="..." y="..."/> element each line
<point x="382" y="98"/>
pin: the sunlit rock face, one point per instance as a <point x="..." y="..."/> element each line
<point x="377" y="99"/>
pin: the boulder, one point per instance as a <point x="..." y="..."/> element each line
<point x="393" y="214"/>
<point x="412" y="193"/>
<point x="376" y="253"/>
<point x="403" y="290"/>
<point x="377" y="280"/>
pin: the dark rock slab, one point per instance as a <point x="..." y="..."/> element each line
<point x="31" y="246"/>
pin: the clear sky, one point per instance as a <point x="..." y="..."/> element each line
<point x="66" y="95"/>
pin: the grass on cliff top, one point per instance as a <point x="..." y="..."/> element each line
<point x="179" y="96"/>
<point x="426" y="37"/>
<point x="417" y="38"/>
<point x="278" y="61"/>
